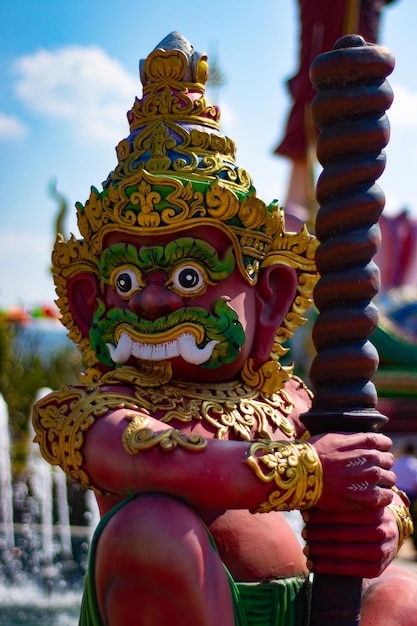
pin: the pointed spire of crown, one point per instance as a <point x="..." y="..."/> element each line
<point x="173" y="128"/>
<point x="178" y="61"/>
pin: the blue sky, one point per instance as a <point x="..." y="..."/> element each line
<point x="68" y="70"/>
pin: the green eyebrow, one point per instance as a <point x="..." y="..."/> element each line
<point x="182" y="250"/>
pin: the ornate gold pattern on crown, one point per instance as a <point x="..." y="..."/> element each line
<point x="144" y="203"/>
<point x="167" y="147"/>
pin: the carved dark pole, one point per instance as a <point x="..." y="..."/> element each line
<point x="349" y="109"/>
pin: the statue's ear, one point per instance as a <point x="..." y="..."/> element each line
<point x="275" y="293"/>
<point x="83" y="289"/>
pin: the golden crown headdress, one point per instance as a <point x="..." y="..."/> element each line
<point x="175" y="171"/>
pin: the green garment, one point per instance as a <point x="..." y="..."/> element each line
<point x="280" y="602"/>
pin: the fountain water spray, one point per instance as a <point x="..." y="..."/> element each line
<point x="6" y="493"/>
<point x="40" y="579"/>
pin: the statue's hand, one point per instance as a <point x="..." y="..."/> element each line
<point x="356" y="471"/>
<point x="358" y="543"/>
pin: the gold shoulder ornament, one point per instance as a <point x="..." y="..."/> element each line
<point x="61" y="420"/>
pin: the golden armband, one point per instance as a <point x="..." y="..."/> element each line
<point x="294" y="467"/>
<point x="402" y="517"/>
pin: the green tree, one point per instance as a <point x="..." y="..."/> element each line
<point x="24" y="369"/>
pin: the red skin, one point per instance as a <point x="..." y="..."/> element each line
<point x="153" y="558"/>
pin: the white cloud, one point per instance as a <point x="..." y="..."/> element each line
<point x="11" y="127"/>
<point x="404" y="107"/>
<point x="80" y="85"/>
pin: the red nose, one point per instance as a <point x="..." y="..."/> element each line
<point x="155" y="300"/>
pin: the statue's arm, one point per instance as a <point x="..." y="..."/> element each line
<point x="129" y="452"/>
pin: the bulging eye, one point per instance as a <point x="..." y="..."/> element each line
<point x="188" y="279"/>
<point x="126" y="282"/>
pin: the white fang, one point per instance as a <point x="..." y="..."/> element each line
<point x="184" y="346"/>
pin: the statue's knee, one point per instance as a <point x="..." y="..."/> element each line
<point x="153" y="533"/>
<point x="154" y="558"/>
<point x="391" y="599"/>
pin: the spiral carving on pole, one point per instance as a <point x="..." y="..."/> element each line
<point x="349" y="110"/>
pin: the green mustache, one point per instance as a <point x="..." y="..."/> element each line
<point x="222" y="326"/>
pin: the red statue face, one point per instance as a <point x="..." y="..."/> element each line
<point x="182" y="298"/>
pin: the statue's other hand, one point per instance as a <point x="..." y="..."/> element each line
<point x="356" y="470"/>
<point x="358" y="543"/>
